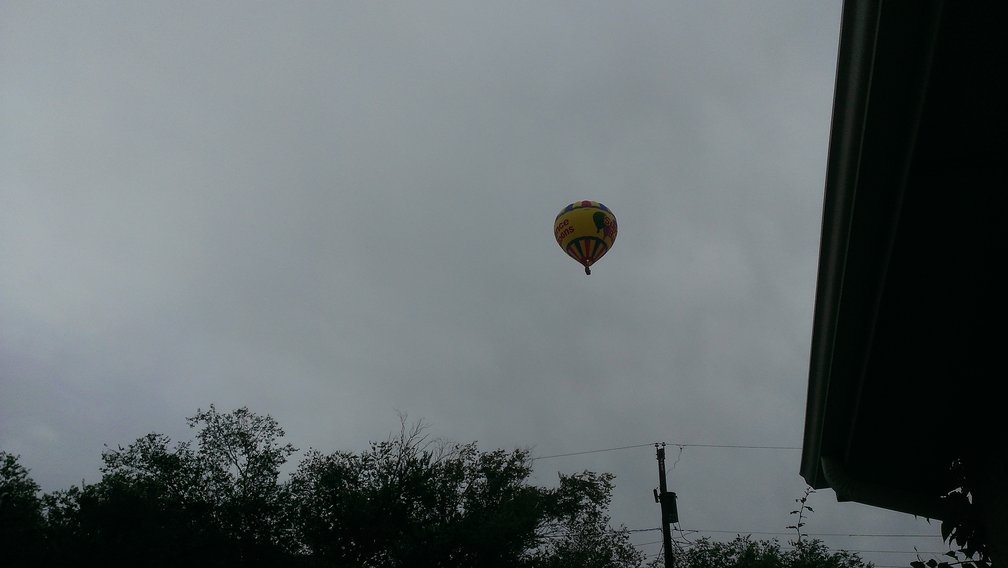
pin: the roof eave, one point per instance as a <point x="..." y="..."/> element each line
<point x="859" y="26"/>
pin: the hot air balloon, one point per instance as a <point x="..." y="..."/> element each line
<point x="585" y="230"/>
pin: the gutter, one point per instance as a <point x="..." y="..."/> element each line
<point x="871" y="151"/>
<point x="855" y="56"/>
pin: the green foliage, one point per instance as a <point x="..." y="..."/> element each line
<point x="218" y="501"/>
<point x="20" y="510"/>
<point x="746" y="552"/>
<point x="963" y="531"/>
<point x="580" y="534"/>
<point x="163" y="504"/>
<point x="409" y="501"/>
<point x="238" y="463"/>
<point x="800" y="512"/>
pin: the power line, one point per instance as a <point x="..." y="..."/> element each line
<point x="924" y="552"/>
<point x="681" y="445"/>
<point x="892" y="551"/>
<point x="772" y="533"/>
<point x="809" y="534"/>
<point x="649" y="555"/>
<point x="592" y="451"/>
<point x="749" y="447"/>
<point x="640" y="544"/>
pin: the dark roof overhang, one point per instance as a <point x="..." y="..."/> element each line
<point x="912" y="231"/>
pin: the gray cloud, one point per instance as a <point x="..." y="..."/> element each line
<point x="329" y="212"/>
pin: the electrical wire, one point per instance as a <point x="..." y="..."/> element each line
<point x="591" y="451"/>
<point x="771" y="533"/>
<point x="806" y="534"/>
<point x="681" y="445"/>
<point x="748" y="447"/>
<point x="640" y="544"/>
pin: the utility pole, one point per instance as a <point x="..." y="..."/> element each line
<point x="669" y="513"/>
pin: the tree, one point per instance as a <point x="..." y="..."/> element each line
<point x="746" y="552"/>
<point x="217" y="500"/>
<point x="410" y="501"/>
<point x="222" y="499"/>
<point x="585" y="537"/>
<point x="965" y="531"/>
<point x="239" y="460"/>
<point x="158" y="503"/>
<point x="20" y="511"/>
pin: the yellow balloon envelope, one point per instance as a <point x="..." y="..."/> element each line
<point x="586" y="231"/>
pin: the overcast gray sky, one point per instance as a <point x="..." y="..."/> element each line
<point x="334" y="211"/>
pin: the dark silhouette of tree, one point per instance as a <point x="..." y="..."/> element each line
<point x="581" y="534"/>
<point x="20" y="512"/>
<point x="406" y="501"/>
<point x="239" y="459"/>
<point x="410" y="501"/>
<point x="217" y="500"/>
<point x="221" y="501"/>
<point x="746" y="552"/>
